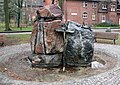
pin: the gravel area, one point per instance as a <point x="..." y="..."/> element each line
<point x="110" y="77"/>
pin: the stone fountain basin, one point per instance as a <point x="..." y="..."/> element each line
<point x="16" y="69"/>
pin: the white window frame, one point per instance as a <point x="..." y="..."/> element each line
<point x="94" y="5"/>
<point x="85" y="15"/>
<point x="104" y="6"/>
<point x="103" y="18"/>
<point x="85" y="4"/>
<point x="112" y="7"/>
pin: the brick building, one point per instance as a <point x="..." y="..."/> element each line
<point x="87" y="12"/>
<point x="92" y="12"/>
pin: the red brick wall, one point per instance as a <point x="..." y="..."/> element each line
<point x="110" y="16"/>
<point x="76" y="6"/>
<point x="118" y="19"/>
<point x="113" y="17"/>
<point x="100" y="17"/>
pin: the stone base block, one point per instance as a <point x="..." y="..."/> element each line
<point x="42" y="60"/>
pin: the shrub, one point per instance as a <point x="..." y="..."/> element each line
<point x="105" y="24"/>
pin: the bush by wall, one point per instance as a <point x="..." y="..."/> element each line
<point x="105" y="24"/>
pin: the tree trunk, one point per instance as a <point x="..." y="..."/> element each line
<point x="6" y="15"/>
<point x="18" y="22"/>
<point x="18" y="19"/>
<point x="20" y="2"/>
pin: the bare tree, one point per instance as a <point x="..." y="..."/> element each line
<point x="15" y="7"/>
<point x="19" y="4"/>
<point x="6" y="10"/>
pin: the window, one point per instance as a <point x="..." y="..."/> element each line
<point x="104" y="6"/>
<point x="103" y="18"/>
<point x="23" y="4"/>
<point x="112" y="7"/>
<point x="93" y="16"/>
<point x="84" y="15"/>
<point x="94" y="5"/>
<point x="85" y="4"/>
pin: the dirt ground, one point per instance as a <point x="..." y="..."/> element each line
<point x="19" y="68"/>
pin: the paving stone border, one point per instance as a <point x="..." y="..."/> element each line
<point x="111" y="77"/>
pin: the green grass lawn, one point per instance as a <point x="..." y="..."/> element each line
<point x="18" y="29"/>
<point x="14" y="28"/>
<point x="17" y="39"/>
<point x="19" y="36"/>
<point x="118" y="27"/>
<point x="29" y="28"/>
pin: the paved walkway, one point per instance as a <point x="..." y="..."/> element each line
<point x="111" y="77"/>
<point x="103" y="30"/>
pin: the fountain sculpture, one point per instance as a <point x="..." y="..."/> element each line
<point x="54" y="43"/>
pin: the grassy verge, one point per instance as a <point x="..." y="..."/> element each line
<point x="106" y="27"/>
<point x="22" y="29"/>
<point x="17" y="39"/>
<point x="18" y="29"/>
<point x="13" y="27"/>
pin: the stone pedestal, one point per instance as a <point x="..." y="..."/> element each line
<point x="46" y="44"/>
<point x="45" y="40"/>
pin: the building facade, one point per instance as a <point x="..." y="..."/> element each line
<point x="88" y="12"/>
<point x="91" y="12"/>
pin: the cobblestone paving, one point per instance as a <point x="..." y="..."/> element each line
<point x="111" y="77"/>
